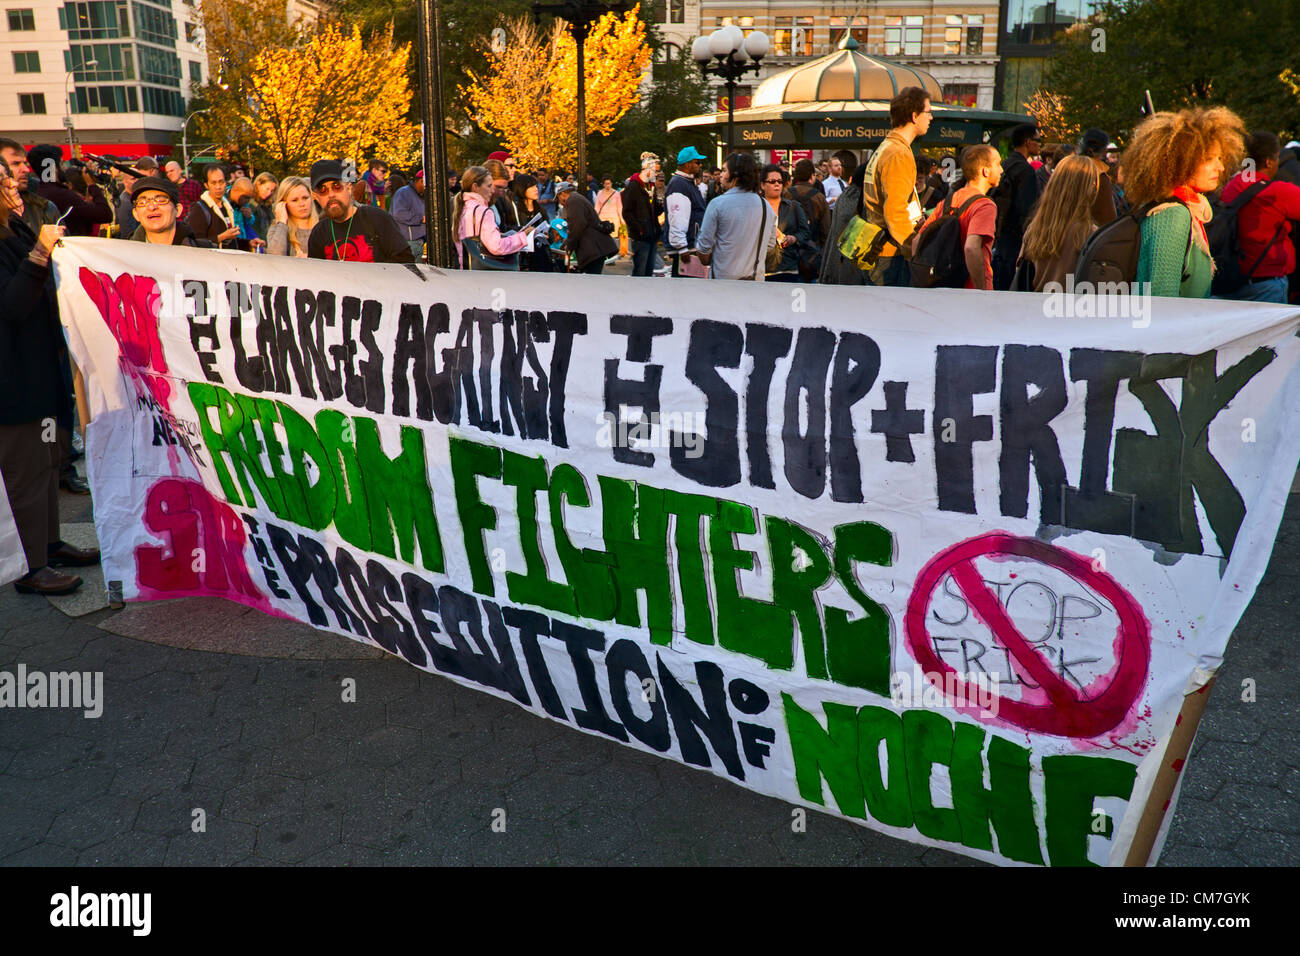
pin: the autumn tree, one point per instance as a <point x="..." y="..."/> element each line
<point x="332" y="94"/>
<point x="1049" y="112"/>
<point x="1187" y="53"/>
<point x="528" y="93"/>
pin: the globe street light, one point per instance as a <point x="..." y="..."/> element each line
<point x="736" y="54"/>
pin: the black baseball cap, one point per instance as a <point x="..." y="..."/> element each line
<point x="323" y="170"/>
<point x="155" y="184"/>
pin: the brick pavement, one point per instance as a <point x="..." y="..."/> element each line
<point x="286" y="773"/>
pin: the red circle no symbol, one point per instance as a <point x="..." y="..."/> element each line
<point x="1067" y="713"/>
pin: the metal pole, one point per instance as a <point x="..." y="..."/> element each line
<point x="437" y="202"/>
<point x="580" y="38"/>
<point x="731" y="112"/>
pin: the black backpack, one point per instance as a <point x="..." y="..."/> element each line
<point x="940" y="258"/>
<point x="1111" y="253"/>
<point x="805" y="199"/>
<point x="1225" y="244"/>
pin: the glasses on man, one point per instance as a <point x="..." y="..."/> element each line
<point x="774" y="182"/>
<point x="332" y="186"/>
<point x="151" y="202"/>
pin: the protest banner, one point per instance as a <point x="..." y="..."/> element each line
<point x="13" y="562"/>
<point x="944" y="563"/>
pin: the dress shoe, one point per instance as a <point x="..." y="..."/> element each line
<point x="72" y="482"/>
<point x="47" y="581"/>
<point x="64" y="555"/>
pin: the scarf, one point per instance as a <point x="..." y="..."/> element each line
<point x="226" y="213"/>
<point x="1199" y="207"/>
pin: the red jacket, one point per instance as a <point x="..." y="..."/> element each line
<point x="1258" y="220"/>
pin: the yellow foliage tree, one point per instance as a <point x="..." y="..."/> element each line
<point x="1049" y="111"/>
<point x="325" y="95"/>
<point x="529" y="93"/>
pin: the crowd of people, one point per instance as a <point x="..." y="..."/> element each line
<point x="1192" y="206"/>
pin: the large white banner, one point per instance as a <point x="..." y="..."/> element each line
<point x="942" y="562"/>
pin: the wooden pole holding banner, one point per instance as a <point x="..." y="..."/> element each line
<point x="83" y="406"/>
<point x="1162" y="788"/>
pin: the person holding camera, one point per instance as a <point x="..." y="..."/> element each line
<point x="73" y="187"/>
<point x="589" y="235"/>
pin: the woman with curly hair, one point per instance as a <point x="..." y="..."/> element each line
<point x="1174" y="160"/>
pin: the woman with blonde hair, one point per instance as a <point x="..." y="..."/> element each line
<point x="1062" y="221"/>
<point x="1173" y="161"/>
<point x="295" y="215"/>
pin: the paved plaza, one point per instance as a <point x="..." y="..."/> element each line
<point x="216" y="708"/>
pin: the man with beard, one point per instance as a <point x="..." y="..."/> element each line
<point x="346" y="231"/>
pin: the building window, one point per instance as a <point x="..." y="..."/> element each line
<point x="114" y="62"/>
<point x="105" y="99"/>
<point x="745" y="23"/>
<point x="95" y="20"/>
<point x="160" y="66"/>
<point x="31" y="103"/>
<point x="162" y="102"/>
<point x="191" y="32"/>
<point x="669" y="53"/>
<point x="22" y="20"/>
<point x="975" y="34"/>
<point x="952" y="35"/>
<point x="154" y="25"/>
<point x="28" y="62"/>
<point x="961" y="94"/>
<point x="668" y="11"/>
<point x="794" y="36"/>
<point x="903" y="36"/>
<point x="781" y="36"/>
<point x="857" y="27"/>
<point x="196" y="73"/>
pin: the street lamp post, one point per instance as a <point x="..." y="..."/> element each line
<point x="736" y="54"/>
<point x="67" y="98"/>
<point x="580" y="15"/>
<point x="185" y="140"/>
<point x="437" y="201"/>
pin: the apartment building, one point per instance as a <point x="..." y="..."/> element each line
<point x="110" y="76"/>
<point x="953" y="40"/>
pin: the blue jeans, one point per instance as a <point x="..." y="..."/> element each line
<point x="643" y="257"/>
<point x="1262" y="290"/>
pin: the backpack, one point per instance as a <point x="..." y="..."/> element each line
<point x="1225" y="244"/>
<point x="940" y="258"/>
<point x="805" y="198"/>
<point x="1111" y="253"/>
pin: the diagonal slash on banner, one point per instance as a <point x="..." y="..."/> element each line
<point x="990" y="611"/>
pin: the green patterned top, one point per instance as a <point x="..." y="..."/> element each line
<point x="1161" y="258"/>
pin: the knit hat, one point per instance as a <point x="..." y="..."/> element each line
<point x="500" y="155"/>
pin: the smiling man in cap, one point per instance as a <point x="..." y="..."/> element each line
<point x="155" y="204"/>
<point x="684" y="203"/>
<point x="346" y="231"/>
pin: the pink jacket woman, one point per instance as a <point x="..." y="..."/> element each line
<point x="477" y="219"/>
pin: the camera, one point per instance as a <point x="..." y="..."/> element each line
<point x="73" y="168"/>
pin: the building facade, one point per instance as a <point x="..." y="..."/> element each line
<point x="1027" y="35"/>
<point x="953" y="40"/>
<point x="108" y="76"/>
